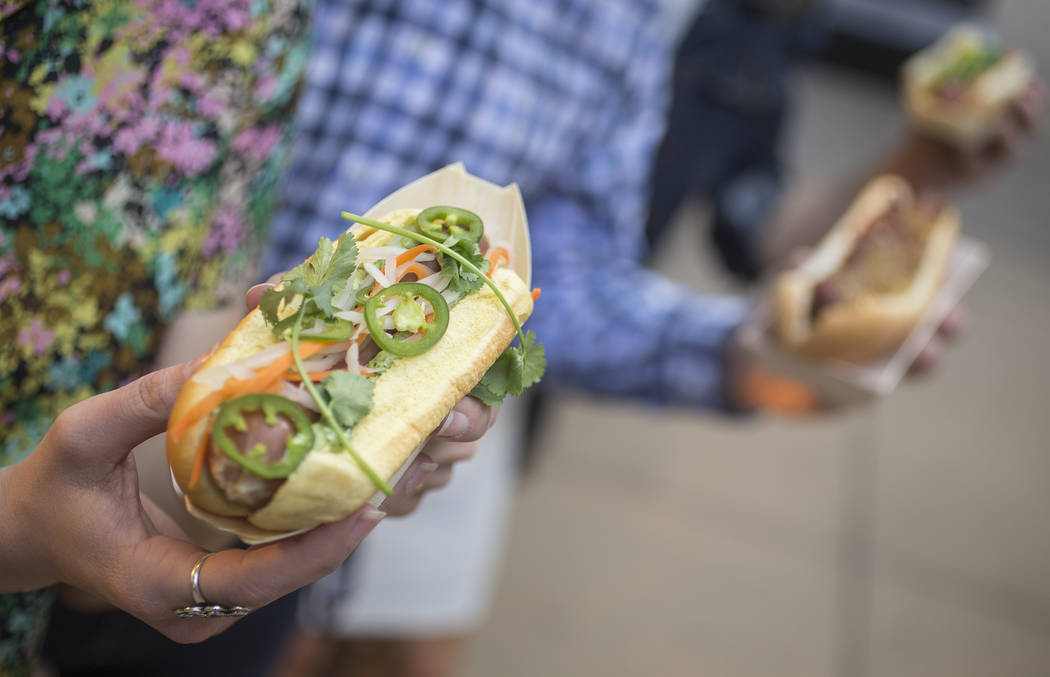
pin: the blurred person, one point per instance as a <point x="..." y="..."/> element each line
<point x="731" y="94"/>
<point x="568" y="100"/>
<point x="139" y="149"/>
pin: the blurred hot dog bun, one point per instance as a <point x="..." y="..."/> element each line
<point x="865" y="286"/>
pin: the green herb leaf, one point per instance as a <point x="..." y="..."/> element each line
<point x="462" y="279"/>
<point x="515" y="370"/>
<point x="532" y="365"/>
<point x="318" y="280"/>
<point x="270" y="303"/>
<point x="349" y="396"/>
<point x="493" y="385"/>
<point x="381" y="362"/>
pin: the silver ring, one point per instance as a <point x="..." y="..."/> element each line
<point x="195" y="579"/>
<point x="202" y="608"/>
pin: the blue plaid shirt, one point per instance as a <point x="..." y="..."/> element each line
<point x="566" y="97"/>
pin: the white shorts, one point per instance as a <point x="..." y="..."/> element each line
<point x="432" y="572"/>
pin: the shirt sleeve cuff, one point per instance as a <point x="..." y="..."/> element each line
<point x="694" y="369"/>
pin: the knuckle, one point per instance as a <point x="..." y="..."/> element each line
<point x="150" y="397"/>
<point x="62" y="430"/>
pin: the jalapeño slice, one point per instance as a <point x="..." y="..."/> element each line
<point x="231" y="415"/>
<point x="432" y="330"/>
<point x="442" y="222"/>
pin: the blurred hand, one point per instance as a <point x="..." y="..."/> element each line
<point x="454" y="440"/>
<point x="930" y="162"/>
<point x="72" y="513"/>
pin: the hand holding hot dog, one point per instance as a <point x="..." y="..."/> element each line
<point x="72" y="513"/>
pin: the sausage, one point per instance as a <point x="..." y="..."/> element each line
<point x="239" y="484"/>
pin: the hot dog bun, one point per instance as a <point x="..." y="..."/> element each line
<point x="409" y="401"/>
<point x="870" y="324"/>
<point x="971" y="119"/>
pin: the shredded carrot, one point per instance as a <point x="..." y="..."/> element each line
<point x="196" y="412"/>
<point x="263" y="380"/>
<point x="314" y="375"/>
<point x="419" y="269"/>
<point x="266" y="376"/>
<point x="198" y="462"/>
<point x="412" y="253"/>
<point x="536" y="294"/>
<point x="496" y="256"/>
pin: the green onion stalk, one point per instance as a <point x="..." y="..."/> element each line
<point x="326" y="411"/>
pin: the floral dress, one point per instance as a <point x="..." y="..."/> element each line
<point x="140" y="144"/>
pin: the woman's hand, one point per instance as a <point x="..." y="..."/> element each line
<point x="71" y="512"/>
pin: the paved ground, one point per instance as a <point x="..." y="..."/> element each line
<point x="909" y="539"/>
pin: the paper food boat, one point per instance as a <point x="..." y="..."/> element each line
<point x="502" y="210"/>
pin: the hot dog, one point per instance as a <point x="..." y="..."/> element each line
<point x="960" y="88"/>
<point x="871" y="277"/>
<point x="320" y="395"/>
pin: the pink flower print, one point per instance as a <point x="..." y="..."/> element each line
<point x="266" y="88"/>
<point x="257" y="142"/>
<point x="63" y="277"/>
<point x="130" y="139"/>
<point x="192" y="82"/>
<point x="36" y="334"/>
<point x="227" y="232"/>
<point x="210" y="106"/>
<point x="9" y="286"/>
<point x="55" y="107"/>
<point x="180" y="146"/>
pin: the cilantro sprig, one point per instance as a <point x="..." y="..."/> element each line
<point x="513" y="372"/>
<point x="519" y="366"/>
<point x="318" y="280"/>
<point x="345" y="399"/>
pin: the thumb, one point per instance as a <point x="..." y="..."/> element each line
<point x="108" y="426"/>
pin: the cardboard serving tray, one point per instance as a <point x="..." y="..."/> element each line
<point x="502" y="210"/>
<point x="842" y="383"/>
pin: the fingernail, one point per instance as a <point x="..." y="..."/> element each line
<point x="455" y="424"/>
<point x="261" y="285"/>
<point x="419" y="478"/>
<point x="193" y="365"/>
<point x="365" y="524"/>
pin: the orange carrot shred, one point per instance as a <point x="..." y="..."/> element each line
<point x="497" y="256"/>
<point x="294" y="376"/>
<point x="536" y="294"/>
<point x="196" y="412"/>
<point x="419" y="269"/>
<point x="413" y="253"/>
<point x="198" y="461"/>
<point x="262" y="381"/>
